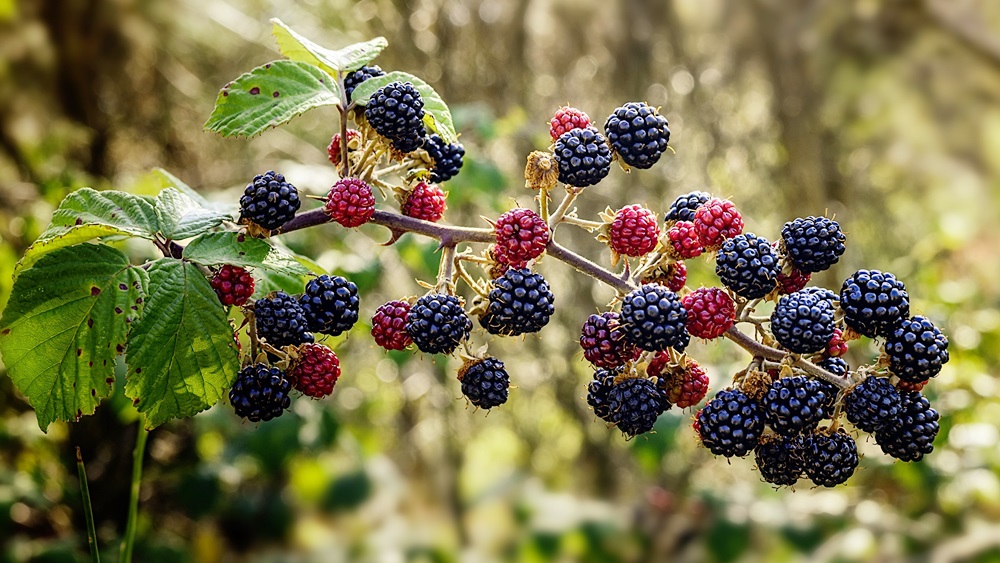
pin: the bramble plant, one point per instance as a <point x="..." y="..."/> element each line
<point x="76" y="306"/>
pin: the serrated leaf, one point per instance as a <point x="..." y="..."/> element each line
<point x="440" y="116"/>
<point x="55" y="238"/>
<point x="182" y="217"/>
<point x="267" y="281"/>
<point x="269" y="96"/>
<point x="215" y="249"/>
<point x="168" y="180"/>
<point x="298" y="48"/>
<point x="67" y="319"/>
<point x="181" y="355"/>
<point x="126" y="212"/>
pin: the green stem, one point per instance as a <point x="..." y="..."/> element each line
<point x="133" y="508"/>
<point x="88" y="510"/>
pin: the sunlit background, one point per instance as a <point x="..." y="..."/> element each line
<point x="884" y="114"/>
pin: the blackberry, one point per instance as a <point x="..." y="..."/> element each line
<point x="603" y="341"/>
<point x="683" y="208"/>
<point x="331" y="304"/>
<point x="447" y="158"/>
<point x="599" y="393"/>
<point x="873" y="302"/>
<point x="519" y="303"/>
<point x="684" y="384"/>
<point x="813" y="244"/>
<point x="911" y="434"/>
<point x="438" y="323"/>
<point x="779" y="460"/>
<point x="635" y="404"/>
<point x="917" y="349"/>
<point x="485" y="382"/>
<point x="389" y="325"/>
<point x="730" y="424"/>
<point x="794" y="404"/>
<point x="822" y="293"/>
<point x="654" y="319"/>
<point x="356" y="77"/>
<point x="716" y="221"/>
<point x="837" y="366"/>
<point x="315" y="371"/>
<point x="802" y="323"/>
<point x="872" y="404"/>
<point x="831" y="392"/>
<point x="269" y="201"/>
<point x="233" y="285"/>
<point x="711" y="312"/>
<point x="637" y="134"/>
<point x="260" y="393"/>
<point x="281" y="320"/>
<point x="748" y="265"/>
<point x="565" y="119"/>
<point x="792" y="281"/>
<point x="829" y="459"/>
<point x="583" y="157"/>
<point x="396" y="112"/>
<point x="634" y="231"/>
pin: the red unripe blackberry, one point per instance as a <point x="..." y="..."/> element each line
<point x="917" y="349"/>
<point x="683" y="208"/>
<point x="779" y="459"/>
<point x="634" y="231"/>
<point x="711" y="312"/>
<point x="672" y="274"/>
<point x="872" y="404"/>
<point x="315" y="371"/>
<point x="389" y="325"/>
<point x="911" y="434"/>
<point x="353" y="144"/>
<point x="730" y="424"/>
<point x="260" y="392"/>
<point x="521" y="236"/>
<point x="350" y="202"/>
<point x="907" y="386"/>
<point x="792" y="282"/>
<point x="717" y="220"/>
<point x="683" y="240"/>
<point x="425" y="201"/>
<point x="603" y="342"/>
<point x="873" y="302"/>
<point x="485" y="382"/>
<point x="233" y="285"/>
<point x="682" y="385"/>
<point x="654" y="319"/>
<point x="567" y="119"/>
<point x="638" y="134"/>
<point x="583" y="156"/>
<point x="829" y="459"/>
<point x="837" y="346"/>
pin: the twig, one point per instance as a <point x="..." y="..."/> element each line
<point x="88" y="509"/>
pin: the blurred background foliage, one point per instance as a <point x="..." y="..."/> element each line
<point x="884" y="113"/>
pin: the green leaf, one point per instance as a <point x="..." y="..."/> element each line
<point x="215" y="249"/>
<point x="265" y="282"/>
<point x="298" y="48"/>
<point x="55" y="238"/>
<point x="181" y="354"/>
<point x="168" y="180"/>
<point x="129" y="213"/>
<point x="66" y="321"/>
<point x="182" y="217"/>
<point x="269" y="96"/>
<point x="440" y="120"/>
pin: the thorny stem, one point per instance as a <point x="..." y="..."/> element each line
<point x="446" y="271"/>
<point x="589" y="225"/>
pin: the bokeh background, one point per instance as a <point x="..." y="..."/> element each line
<point x="882" y="113"/>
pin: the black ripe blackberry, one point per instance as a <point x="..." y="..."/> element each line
<point x="794" y="404"/>
<point x="911" y="434"/>
<point x="599" y="393"/>
<point x="437" y="323"/>
<point x="281" y="321"/>
<point x="519" y="303"/>
<point x="748" y="265"/>
<point x="872" y="404"/>
<point x="829" y="459"/>
<point x="356" y="77"/>
<point x="330" y="304"/>
<point x="396" y="112"/>
<point x="837" y="366"/>
<point x="822" y="293"/>
<point x="802" y="323"/>
<point x="873" y="302"/>
<point x="583" y="157"/>
<point x="260" y="393"/>
<point x="269" y="201"/>
<point x="730" y="424"/>
<point x="485" y="382"/>
<point x="635" y="405"/>
<point x="917" y="349"/>
<point x="447" y="158"/>
<point x="813" y="244"/>
<point x="683" y="208"/>
<point x="638" y="134"/>
<point x="779" y="459"/>
<point x="654" y="319"/>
